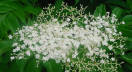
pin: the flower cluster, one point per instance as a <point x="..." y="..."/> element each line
<point x="62" y="41"/>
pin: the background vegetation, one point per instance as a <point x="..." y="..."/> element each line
<point x="16" y="13"/>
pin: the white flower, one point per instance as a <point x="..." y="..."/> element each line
<point x="113" y="59"/>
<point x="108" y="30"/>
<point x="67" y="71"/>
<point x="68" y="19"/>
<point x="35" y="25"/>
<point x="15" y="44"/>
<point x="110" y="47"/>
<point x="12" y="57"/>
<point x="28" y="53"/>
<point x="37" y="56"/>
<point x="54" y="20"/>
<point x="20" y="57"/>
<point x="112" y="40"/>
<point x="60" y="39"/>
<point x="102" y="61"/>
<point x="68" y="60"/>
<point x="120" y="33"/>
<point x="75" y="23"/>
<point x="75" y="54"/>
<point x="17" y="48"/>
<point x="123" y="22"/>
<point x="86" y="22"/>
<point x="10" y="36"/>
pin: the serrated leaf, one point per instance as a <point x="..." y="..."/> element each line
<point x="100" y="10"/>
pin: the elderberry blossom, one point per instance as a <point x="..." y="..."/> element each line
<point x="71" y="39"/>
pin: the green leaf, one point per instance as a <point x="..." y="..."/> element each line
<point x="58" y="4"/>
<point x="13" y="67"/>
<point x="127" y="67"/>
<point x="100" y="10"/>
<point x="12" y="22"/>
<point x="32" y="10"/>
<point x="120" y="69"/>
<point x="129" y="3"/>
<point x="4" y="9"/>
<point x="127" y="58"/>
<point x="52" y="66"/>
<point x="3" y="67"/>
<point x="117" y="3"/>
<point x="20" y="15"/>
<point x="127" y="18"/>
<point x="31" y="65"/>
<point x="14" y="13"/>
<point x="21" y="64"/>
<point x="5" y="46"/>
<point x="76" y="2"/>
<point x="27" y="2"/>
<point x="117" y="11"/>
<point x="129" y="44"/>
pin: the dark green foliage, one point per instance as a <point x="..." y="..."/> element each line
<point x="128" y="58"/>
<point x="16" y="13"/>
<point x="129" y="3"/>
<point x="76" y="2"/>
<point x="13" y="14"/>
<point x="5" y="46"/>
